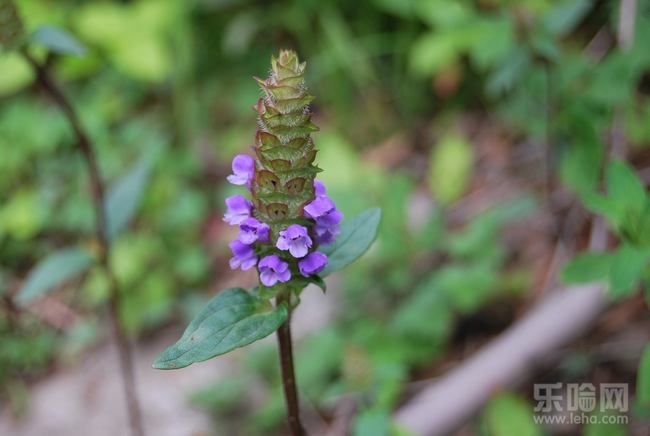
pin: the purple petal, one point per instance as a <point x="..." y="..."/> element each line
<point x="238" y="209"/>
<point x="273" y="269"/>
<point x="319" y="207"/>
<point x="294" y="238"/>
<point x="331" y="218"/>
<point x="284" y="276"/>
<point x="244" y="255"/>
<point x="252" y="230"/>
<point x="243" y="168"/>
<point x="312" y="264"/>
<point x="299" y="248"/>
<point x="319" y="188"/>
<point x="268" y="278"/>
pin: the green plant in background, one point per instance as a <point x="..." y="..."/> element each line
<point x="291" y="230"/>
<point x="529" y="65"/>
<point x="113" y="209"/>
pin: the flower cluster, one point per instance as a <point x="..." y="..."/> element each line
<point x="295" y="244"/>
<point x="289" y="214"/>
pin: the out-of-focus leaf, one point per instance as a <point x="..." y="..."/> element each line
<point x="432" y="52"/>
<point x="509" y="415"/>
<point x="511" y="70"/>
<point x="643" y="380"/>
<point x="565" y="16"/>
<point x="372" y="423"/>
<point x="58" y="40"/>
<point x="627" y="266"/>
<point x="356" y="236"/>
<point x="587" y="267"/>
<point x="624" y="186"/>
<point x="232" y="319"/>
<point x="52" y="271"/>
<point x="123" y="199"/>
<point x="451" y="165"/>
<point x="603" y="423"/>
<point x="16" y="72"/>
<point x="441" y="13"/>
<point x="582" y="159"/>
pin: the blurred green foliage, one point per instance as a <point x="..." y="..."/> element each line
<point x="164" y="88"/>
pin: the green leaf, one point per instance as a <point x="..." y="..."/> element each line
<point x="124" y="197"/>
<point x="451" y="166"/>
<point x="624" y="186"/>
<point x="627" y="267"/>
<point x="356" y="236"/>
<point x="643" y="379"/>
<point x="509" y="415"/>
<point x="232" y="319"/>
<point x="318" y="281"/>
<point x="55" y="269"/>
<point x="587" y="267"/>
<point x="604" y="423"/>
<point x="58" y="40"/>
<point x="565" y="16"/>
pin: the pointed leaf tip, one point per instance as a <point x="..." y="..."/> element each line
<point x="232" y="319"/>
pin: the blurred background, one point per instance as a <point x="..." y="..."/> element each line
<point x="475" y="125"/>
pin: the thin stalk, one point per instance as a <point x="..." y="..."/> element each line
<point x="86" y="148"/>
<point x="288" y="375"/>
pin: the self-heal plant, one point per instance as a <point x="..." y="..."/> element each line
<point x="290" y="229"/>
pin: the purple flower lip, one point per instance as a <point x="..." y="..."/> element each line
<point x="251" y="230"/>
<point x="243" y="168"/>
<point x="239" y="208"/>
<point x="322" y="205"/>
<point x="319" y="188"/>
<point x="244" y="255"/>
<point x="312" y="264"/>
<point x="295" y="239"/>
<point x="273" y="270"/>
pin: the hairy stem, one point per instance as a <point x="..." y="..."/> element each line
<point x="85" y="146"/>
<point x="288" y="375"/>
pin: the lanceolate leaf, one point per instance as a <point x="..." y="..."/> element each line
<point x="124" y="197"/>
<point x="52" y="271"/>
<point x="232" y="319"/>
<point x="58" y="41"/>
<point x="356" y="236"/>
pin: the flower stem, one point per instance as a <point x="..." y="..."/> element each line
<point x="288" y="375"/>
<point x="86" y="148"/>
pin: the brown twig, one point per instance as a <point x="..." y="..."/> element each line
<point x="288" y="375"/>
<point x="85" y="146"/>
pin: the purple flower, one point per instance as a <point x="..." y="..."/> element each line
<point x="244" y="255"/>
<point x="239" y="208"/>
<point x="273" y="270"/>
<point x="323" y="210"/>
<point x="243" y="168"/>
<point x="319" y="207"/>
<point x="319" y="188"/>
<point x="295" y="239"/>
<point x="251" y="230"/>
<point x="326" y="234"/>
<point x="312" y="264"/>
